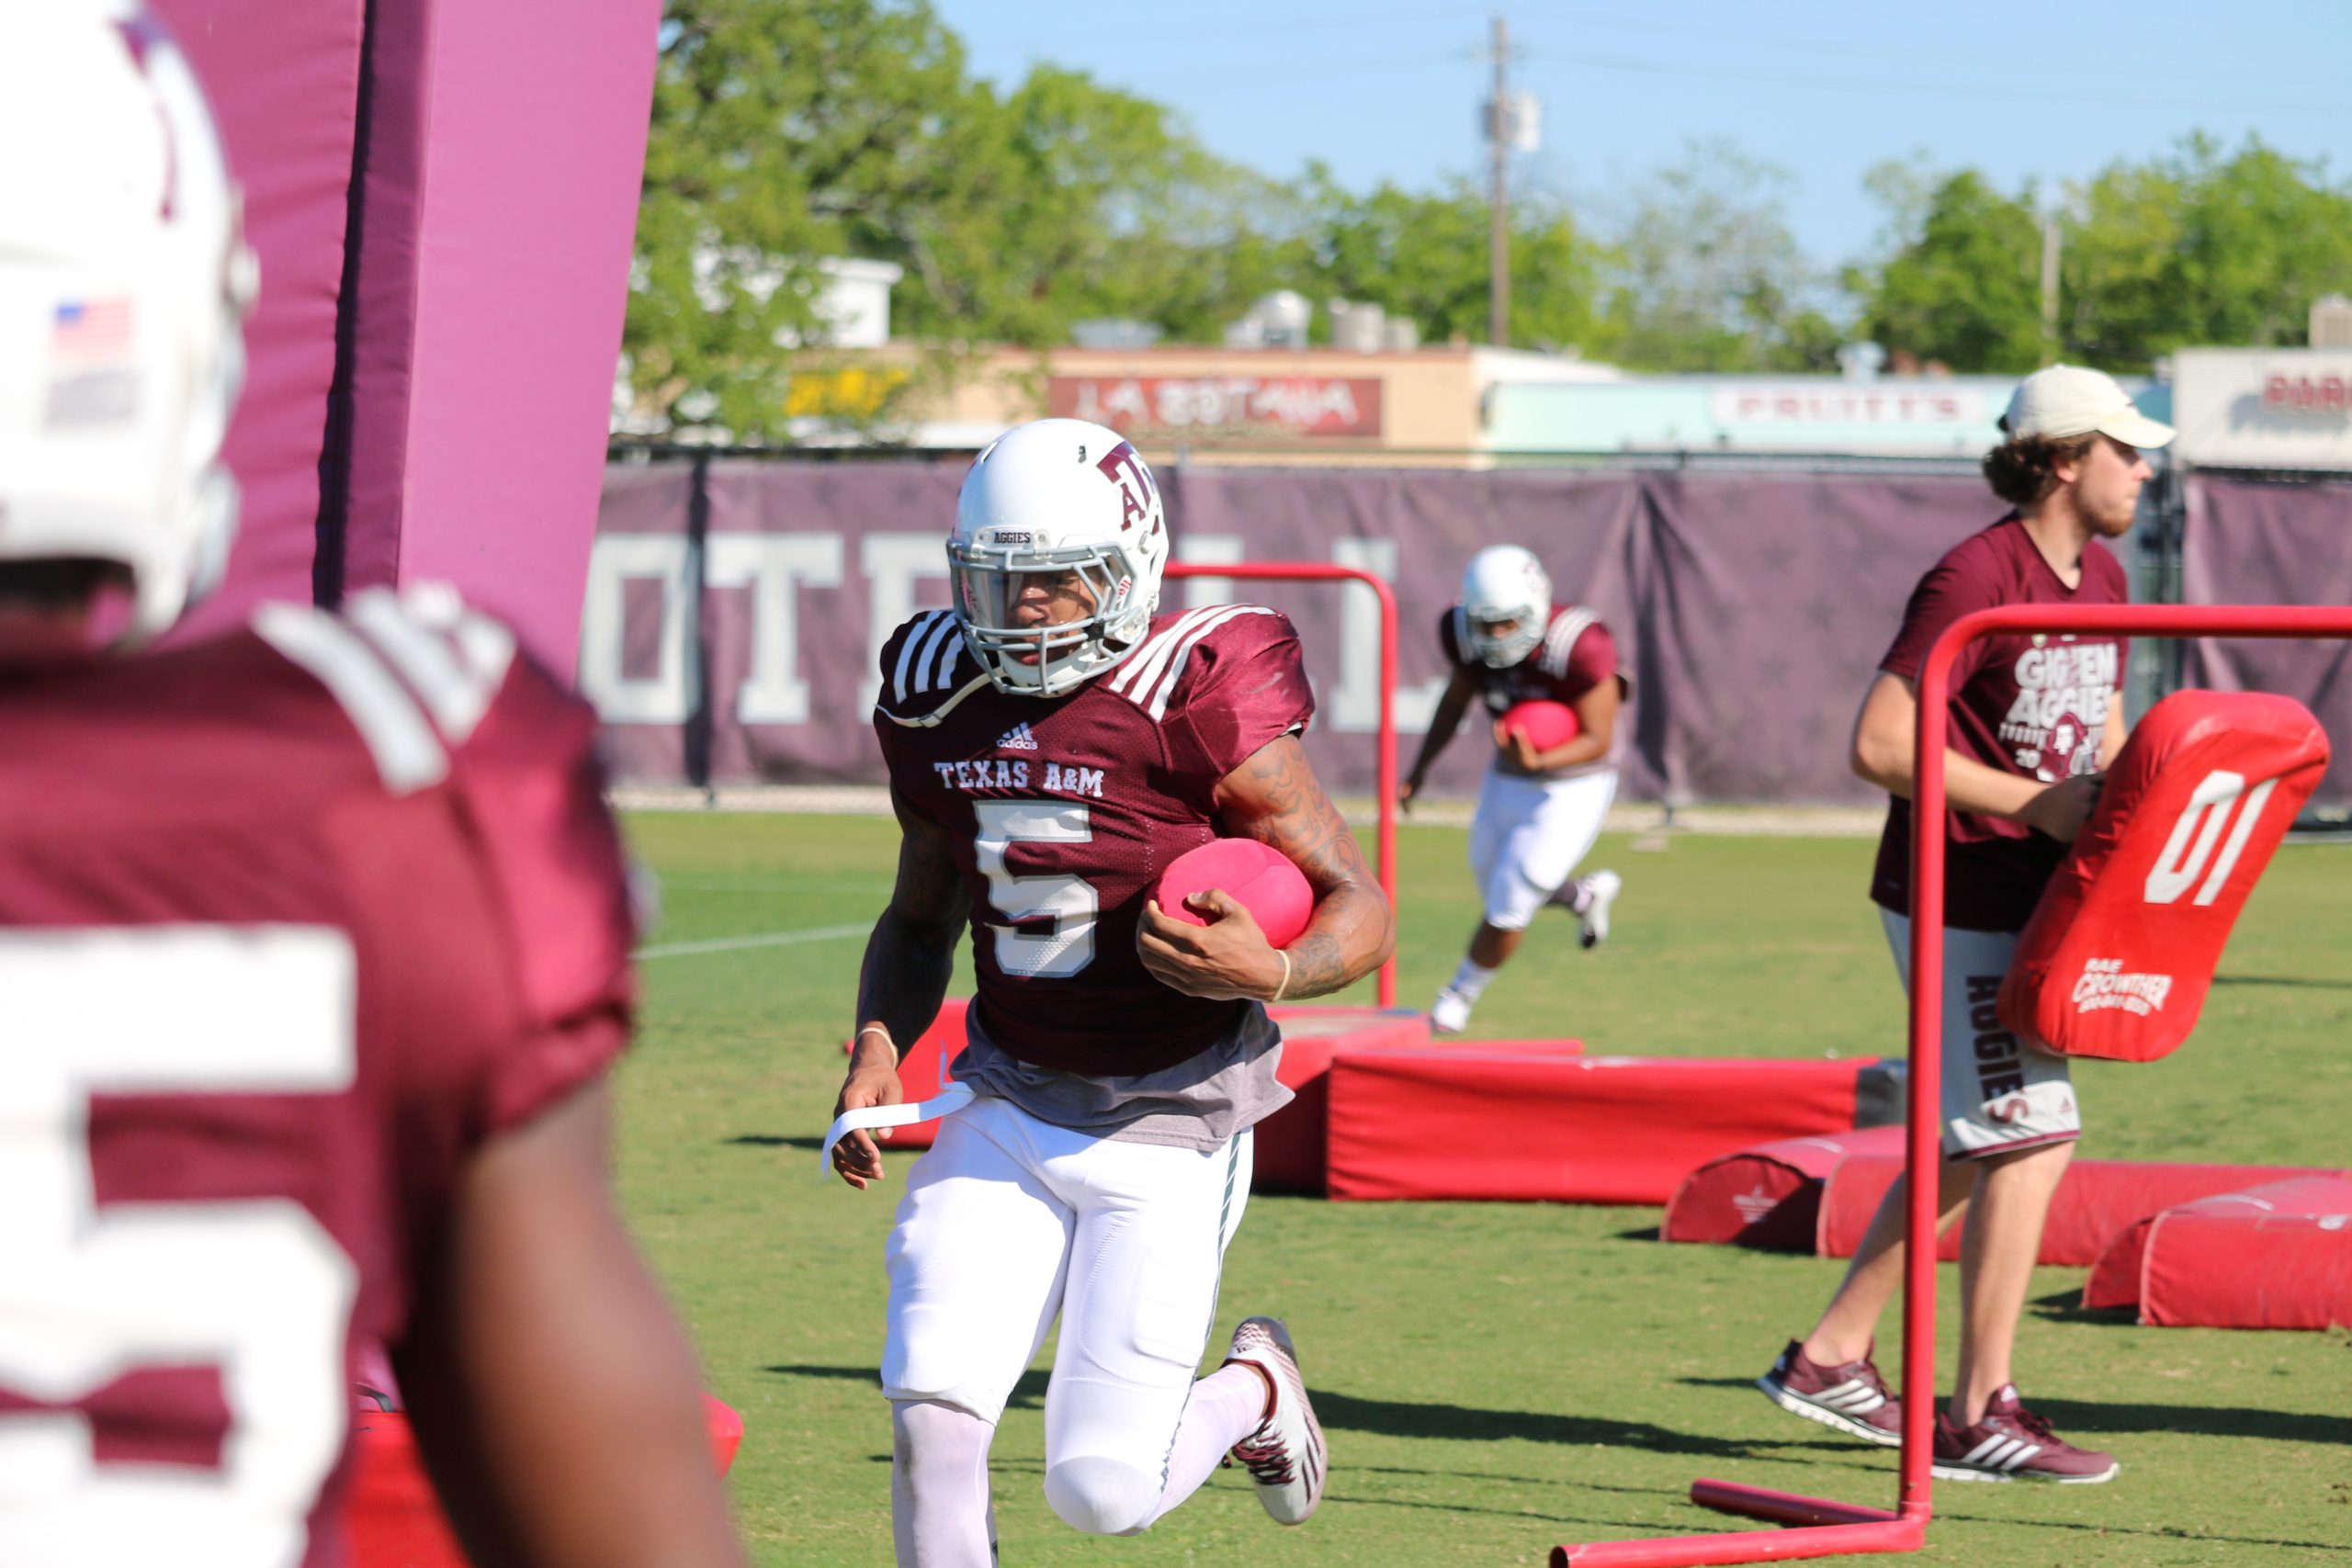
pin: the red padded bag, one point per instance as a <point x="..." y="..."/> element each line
<point x="2122" y="949"/>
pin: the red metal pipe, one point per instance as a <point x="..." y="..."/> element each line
<point x="1747" y="1546"/>
<point x="1384" y="777"/>
<point x="1782" y="1508"/>
<point x="1927" y="924"/>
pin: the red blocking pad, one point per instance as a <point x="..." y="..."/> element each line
<point x="1769" y="1196"/>
<point x="2275" y="1257"/>
<point x="1476" y="1122"/>
<point x="2122" y="949"/>
<point x="1288" y="1156"/>
<point x="2097" y="1202"/>
<point x="392" y="1515"/>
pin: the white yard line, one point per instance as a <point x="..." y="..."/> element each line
<point x="766" y="938"/>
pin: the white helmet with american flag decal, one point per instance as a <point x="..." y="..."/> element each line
<point x="1066" y="503"/>
<point x="124" y="280"/>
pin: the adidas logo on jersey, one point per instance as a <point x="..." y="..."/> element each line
<point x="1017" y="738"/>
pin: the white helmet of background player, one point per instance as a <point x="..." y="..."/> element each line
<point x="1504" y="584"/>
<point x="1053" y="496"/>
<point x="123" y="281"/>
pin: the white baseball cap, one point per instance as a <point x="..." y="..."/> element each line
<point x="2068" y="399"/>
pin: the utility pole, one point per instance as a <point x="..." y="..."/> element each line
<point x="2050" y="287"/>
<point x="1499" y="111"/>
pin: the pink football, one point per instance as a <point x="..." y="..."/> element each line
<point x="1259" y="876"/>
<point x="1546" y="724"/>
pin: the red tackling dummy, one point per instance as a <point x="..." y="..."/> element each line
<point x="1546" y="724"/>
<point x="1259" y="876"/>
<point x="2120" y="950"/>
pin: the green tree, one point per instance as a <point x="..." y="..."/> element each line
<point x="1425" y="257"/>
<point x="2201" y="247"/>
<point x="1964" y="285"/>
<point x="1704" y="275"/>
<point x="1068" y="200"/>
<point x="777" y="130"/>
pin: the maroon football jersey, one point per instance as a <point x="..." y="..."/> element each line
<point x="291" y="921"/>
<point x="2033" y="705"/>
<point x="1577" y="654"/>
<point x="1065" y="810"/>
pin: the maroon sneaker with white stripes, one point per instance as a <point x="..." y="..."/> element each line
<point x="2011" y="1443"/>
<point x="1851" y="1397"/>
<point x="1285" y="1455"/>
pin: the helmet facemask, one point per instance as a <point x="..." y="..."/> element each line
<point x="1049" y="658"/>
<point x="1500" y="652"/>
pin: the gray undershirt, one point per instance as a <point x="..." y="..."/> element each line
<point x="1199" y="1103"/>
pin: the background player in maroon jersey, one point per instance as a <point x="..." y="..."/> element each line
<point x="2032" y="721"/>
<point x="313" y="949"/>
<point x="1539" y="812"/>
<point x="1053" y="744"/>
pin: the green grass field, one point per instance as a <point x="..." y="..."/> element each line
<point x="1497" y="1378"/>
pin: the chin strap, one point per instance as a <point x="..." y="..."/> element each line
<point x="925" y="721"/>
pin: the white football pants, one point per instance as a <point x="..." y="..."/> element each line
<point x="1009" y="1222"/>
<point x="1528" y="836"/>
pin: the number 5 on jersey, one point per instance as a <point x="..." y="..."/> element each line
<point x="256" y="1287"/>
<point x="1065" y="900"/>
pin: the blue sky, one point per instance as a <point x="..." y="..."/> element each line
<point x="1822" y="88"/>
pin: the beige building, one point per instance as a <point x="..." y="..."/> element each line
<point x="1419" y="407"/>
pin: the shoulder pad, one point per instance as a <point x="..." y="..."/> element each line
<point x="1150" y="676"/>
<point x="413" y="670"/>
<point x="1560" y="639"/>
<point x="925" y="663"/>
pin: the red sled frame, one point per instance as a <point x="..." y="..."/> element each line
<point x="1384" y="773"/>
<point x="1825" y="1528"/>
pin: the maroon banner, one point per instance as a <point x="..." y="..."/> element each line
<point x="2251" y="541"/>
<point x="735" y="608"/>
<point x="1199" y="406"/>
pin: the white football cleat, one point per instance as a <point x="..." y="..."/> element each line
<point x="1592" y="921"/>
<point x="1449" y="1014"/>
<point x="1285" y="1456"/>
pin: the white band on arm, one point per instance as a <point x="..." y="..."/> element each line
<point x="1286" y="981"/>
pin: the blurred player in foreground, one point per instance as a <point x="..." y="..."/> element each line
<point x="1539" y="811"/>
<point x="313" y="948"/>
<point x="1053" y="744"/>
<point x="2032" y="721"/>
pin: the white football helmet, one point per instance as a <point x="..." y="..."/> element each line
<point x="124" y="279"/>
<point x="1054" y="497"/>
<point x="1504" y="584"/>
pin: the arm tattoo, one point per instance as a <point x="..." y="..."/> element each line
<point x="1275" y="798"/>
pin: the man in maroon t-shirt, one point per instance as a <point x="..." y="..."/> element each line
<point x="1053" y="742"/>
<point x="2033" y="719"/>
<point x="314" y="950"/>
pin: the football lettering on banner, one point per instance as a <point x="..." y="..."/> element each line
<point x="2209" y="805"/>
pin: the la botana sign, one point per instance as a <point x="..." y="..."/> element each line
<point x="2263" y="407"/>
<point x="1221" y="405"/>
